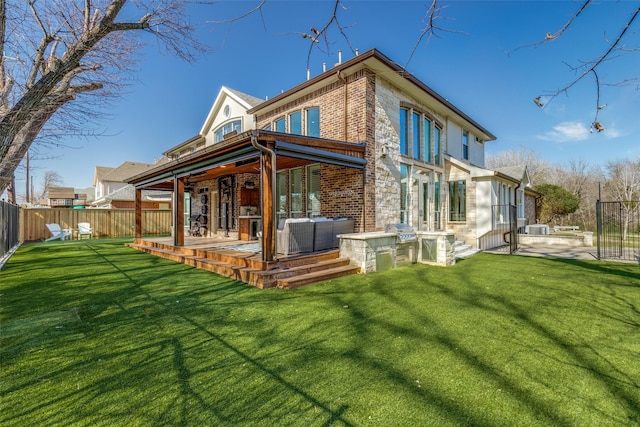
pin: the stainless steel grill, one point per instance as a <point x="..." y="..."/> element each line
<point x="405" y="233"/>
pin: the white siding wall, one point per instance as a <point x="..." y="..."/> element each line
<point x="236" y="111"/>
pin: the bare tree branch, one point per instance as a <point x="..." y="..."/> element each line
<point x="73" y="49"/>
<point x="549" y="36"/>
<point x="432" y="15"/>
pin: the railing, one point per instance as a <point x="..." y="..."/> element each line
<point x="618" y="230"/>
<point x="503" y="236"/>
<point x="9" y="231"/>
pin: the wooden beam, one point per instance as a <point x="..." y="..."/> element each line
<point x="178" y="211"/>
<point x="268" y="218"/>
<point x="138" y="213"/>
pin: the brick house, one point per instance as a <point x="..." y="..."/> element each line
<point x="364" y="140"/>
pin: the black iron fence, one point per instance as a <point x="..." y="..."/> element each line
<point x="618" y="230"/>
<point x="503" y="236"/>
<point x="9" y="230"/>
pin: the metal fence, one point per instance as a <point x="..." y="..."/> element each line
<point x="618" y="230"/>
<point x="9" y="227"/>
<point x="503" y="236"/>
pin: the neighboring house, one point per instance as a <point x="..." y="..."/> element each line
<point x="108" y="180"/>
<point x="124" y="198"/>
<point x="365" y="140"/>
<point x="60" y="197"/>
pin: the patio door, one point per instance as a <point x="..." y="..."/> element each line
<point x="424" y="203"/>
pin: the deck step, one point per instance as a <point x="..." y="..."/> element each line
<point x="316" y="276"/>
<point x="287" y="273"/>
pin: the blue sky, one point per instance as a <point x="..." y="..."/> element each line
<point x="483" y="67"/>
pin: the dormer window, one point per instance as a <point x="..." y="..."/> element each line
<point x="219" y="133"/>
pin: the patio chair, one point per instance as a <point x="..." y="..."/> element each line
<point x="84" y="229"/>
<point x="58" y="233"/>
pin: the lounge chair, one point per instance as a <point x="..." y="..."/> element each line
<point x="58" y="233"/>
<point x="84" y="229"/>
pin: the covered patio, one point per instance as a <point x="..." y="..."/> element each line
<point x="256" y="153"/>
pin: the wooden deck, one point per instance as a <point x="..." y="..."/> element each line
<point x="218" y="256"/>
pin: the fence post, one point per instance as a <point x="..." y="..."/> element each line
<point x="598" y="226"/>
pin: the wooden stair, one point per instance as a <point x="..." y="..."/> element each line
<point x="248" y="267"/>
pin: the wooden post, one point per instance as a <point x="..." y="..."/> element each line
<point x="138" y="214"/>
<point x="268" y="219"/>
<point x="178" y="211"/>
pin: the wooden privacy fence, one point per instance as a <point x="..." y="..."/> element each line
<point x="105" y="222"/>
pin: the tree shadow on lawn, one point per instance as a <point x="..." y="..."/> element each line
<point x="154" y="375"/>
<point x="166" y="344"/>
<point x="544" y="318"/>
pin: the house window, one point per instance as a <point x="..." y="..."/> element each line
<point x="404" y="131"/>
<point x="313" y="122"/>
<point x="465" y="145"/>
<point x="295" y="123"/>
<point x="436" y="146"/>
<point x="404" y="194"/>
<point x="295" y="193"/>
<point x="415" y="123"/>
<point x="219" y="133"/>
<point x="313" y="191"/>
<point x="281" y="195"/>
<point x="426" y="142"/>
<point x="281" y="125"/>
<point x="457" y="201"/>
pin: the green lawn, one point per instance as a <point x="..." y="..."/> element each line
<point x="96" y="334"/>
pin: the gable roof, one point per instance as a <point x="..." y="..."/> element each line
<point x="383" y="66"/>
<point x="246" y="101"/>
<point x="127" y="193"/>
<point x="100" y="172"/>
<point x="126" y="170"/>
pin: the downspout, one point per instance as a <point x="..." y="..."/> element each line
<point x="254" y="143"/>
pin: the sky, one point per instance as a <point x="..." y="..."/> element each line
<point x="485" y="61"/>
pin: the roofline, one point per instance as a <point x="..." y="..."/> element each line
<point x="195" y="138"/>
<point x="379" y="56"/>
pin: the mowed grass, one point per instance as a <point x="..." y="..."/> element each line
<point x="96" y="334"/>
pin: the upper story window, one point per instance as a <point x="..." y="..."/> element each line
<point x="295" y="123"/>
<point x="416" y="137"/>
<point x="219" y="133"/>
<point x="313" y="122"/>
<point x="426" y="142"/>
<point x="465" y="145"/>
<point x="437" y="146"/>
<point x="281" y="124"/>
<point x="415" y="125"/>
<point x="404" y="137"/>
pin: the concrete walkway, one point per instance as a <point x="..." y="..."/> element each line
<point x="559" y="251"/>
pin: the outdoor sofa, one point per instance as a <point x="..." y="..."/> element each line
<point x="303" y="235"/>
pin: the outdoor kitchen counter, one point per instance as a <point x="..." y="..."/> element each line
<point x="249" y="225"/>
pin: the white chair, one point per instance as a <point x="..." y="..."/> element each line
<point x="58" y="233"/>
<point x="84" y="229"/>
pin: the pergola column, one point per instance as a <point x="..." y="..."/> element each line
<point x="268" y="219"/>
<point x="178" y="211"/>
<point x="137" y="205"/>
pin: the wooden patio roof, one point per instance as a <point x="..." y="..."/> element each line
<point x="237" y="154"/>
